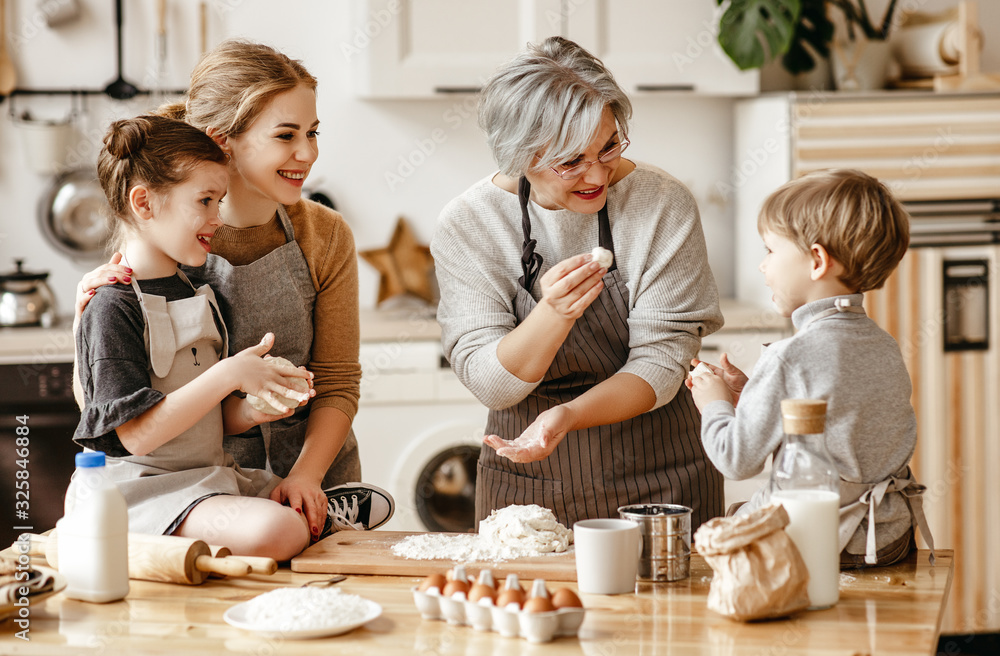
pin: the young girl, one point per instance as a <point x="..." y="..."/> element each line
<point x="157" y="395"/>
<point x="282" y="264"/>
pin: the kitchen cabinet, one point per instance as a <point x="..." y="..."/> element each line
<point x="428" y="48"/>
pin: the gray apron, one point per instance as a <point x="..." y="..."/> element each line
<point x="275" y="294"/>
<point x="182" y="341"/>
<point x="656" y="457"/>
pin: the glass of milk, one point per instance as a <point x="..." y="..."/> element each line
<point x="805" y="480"/>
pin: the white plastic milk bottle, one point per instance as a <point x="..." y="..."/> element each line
<point x="805" y="480"/>
<point x="93" y="534"/>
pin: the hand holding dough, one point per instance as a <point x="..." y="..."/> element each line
<point x="298" y="384"/>
<point x="603" y="256"/>
<point x="700" y="369"/>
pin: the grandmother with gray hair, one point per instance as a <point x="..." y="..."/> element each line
<point x="581" y="364"/>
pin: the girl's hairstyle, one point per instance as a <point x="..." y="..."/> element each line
<point x="233" y="84"/>
<point x="154" y="151"/>
<point x="851" y="214"/>
<point x="548" y="101"/>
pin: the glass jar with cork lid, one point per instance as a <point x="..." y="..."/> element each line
<point x="805" y="480"/>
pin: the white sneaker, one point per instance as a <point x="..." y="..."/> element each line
<point x="357" y="507"/>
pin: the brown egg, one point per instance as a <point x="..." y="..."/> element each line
<point x="452" y="587"/>
<point x="480" y="590"/>
<point x="512" y="596"/>
<point x="512" y="583"/>
<point x="433" y="581"/>
<point x="566" y="598"/>
<point x="538" y="605"/>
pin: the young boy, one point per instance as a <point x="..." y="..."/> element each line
<point x="829" y="236"/>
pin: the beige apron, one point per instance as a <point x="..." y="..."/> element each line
<point x="182" y="342"/>
<point x="858" y="498"/>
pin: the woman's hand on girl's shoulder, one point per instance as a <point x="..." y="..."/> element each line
<point x="106" y="274"/>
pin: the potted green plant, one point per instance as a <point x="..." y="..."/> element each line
<point x="752" y="32"/>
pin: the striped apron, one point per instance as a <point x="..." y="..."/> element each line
<point x="656" y="457"/>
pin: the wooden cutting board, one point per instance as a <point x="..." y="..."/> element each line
<point x="370" y="552"/>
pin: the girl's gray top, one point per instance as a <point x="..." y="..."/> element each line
<point x="857" y="368"/>
<point x="659" y="249"/>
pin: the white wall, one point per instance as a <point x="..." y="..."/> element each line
<point x="360" y="141"/>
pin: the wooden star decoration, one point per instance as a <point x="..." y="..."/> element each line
<point x="405" y="266"/>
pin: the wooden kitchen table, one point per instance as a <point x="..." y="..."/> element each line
<point x="892" y="610"/>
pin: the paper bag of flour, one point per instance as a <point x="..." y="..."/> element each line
<point x="759" y="572"/>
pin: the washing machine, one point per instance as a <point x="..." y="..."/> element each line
<point x="419" y="432"/>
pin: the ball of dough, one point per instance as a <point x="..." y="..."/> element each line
<point x="298" y="384"/>
<point x="702" y="368"/>
<point x="603" y="256"/>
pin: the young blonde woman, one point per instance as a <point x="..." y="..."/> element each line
<point x="285" y="265"/>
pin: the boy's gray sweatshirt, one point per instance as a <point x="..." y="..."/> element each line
<point x="857" y="368"/>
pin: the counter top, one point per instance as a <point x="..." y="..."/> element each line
<point x="891" y="610"/>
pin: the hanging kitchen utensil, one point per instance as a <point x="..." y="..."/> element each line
<point x="8" y="75"/>
<point x="57" y="14"/>
<point x="72" y="215"/>
<point x="46" y="142"/>
<point x="26" y="299"/>
<point x="160" y="55"/>
<point x="120" y="89"/>
<point x="203" y="27"/>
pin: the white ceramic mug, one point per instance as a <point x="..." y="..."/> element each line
<point x="607" y="555"/>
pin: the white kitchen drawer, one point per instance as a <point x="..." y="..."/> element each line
<point x="381" y="357"/>
<point x="388" y="388"/>
<point x="450" y="389"/>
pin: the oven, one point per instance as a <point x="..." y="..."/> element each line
<point x="37" y="419"/>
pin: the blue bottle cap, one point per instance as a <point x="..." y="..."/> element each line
<point x="90" y="459"/>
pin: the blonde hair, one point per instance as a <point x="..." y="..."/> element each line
<point x="848" y="212"/>
<point x="550" y="99"/>
<point x="233" y="84"/>
<point x="154" y="151"/>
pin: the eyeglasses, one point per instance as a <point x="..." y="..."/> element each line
<point x="609" y="155"/>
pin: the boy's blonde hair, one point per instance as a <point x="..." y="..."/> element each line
<point x="848" y="212"/>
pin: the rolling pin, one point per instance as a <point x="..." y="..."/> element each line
<point x="165" y="558"/>
<point x="258" y="564"/>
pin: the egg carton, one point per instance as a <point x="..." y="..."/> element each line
<point x="510" y="621"/>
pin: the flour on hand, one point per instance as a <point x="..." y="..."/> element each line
<point x="292" y="382"/>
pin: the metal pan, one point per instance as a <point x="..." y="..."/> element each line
<point x="73" y="215"/>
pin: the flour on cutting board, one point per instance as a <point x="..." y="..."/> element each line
<point x="508" y="533"/>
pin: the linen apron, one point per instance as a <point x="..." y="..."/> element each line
<point x="656" y="457"/>
<point x="182" y="341"/>
<point x="275" y="294"/>
<point x="860" y="499"/>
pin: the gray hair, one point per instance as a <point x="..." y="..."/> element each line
<point x="548" y="100"/>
